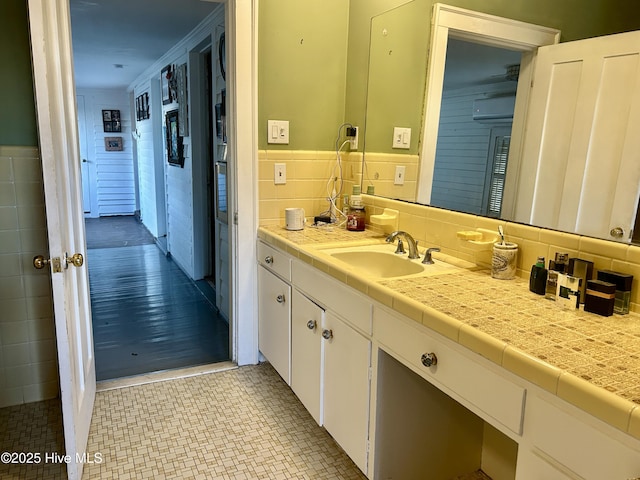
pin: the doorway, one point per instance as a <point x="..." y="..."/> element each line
<point x="151" y="260"/>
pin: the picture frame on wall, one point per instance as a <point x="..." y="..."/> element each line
<point x="111" y="121"/>
<point x="113" y="144"/>
<point x="175" y="148"/>
<point x="181" y="88"/>
<point x="165" y="79"/>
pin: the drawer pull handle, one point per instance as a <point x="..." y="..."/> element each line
<point x="327" y="334"/>
<point x="268" y="259"/>
<point x="311" y="324"/>
<point x="429" y="359"/>
<point x="280" y="298"/>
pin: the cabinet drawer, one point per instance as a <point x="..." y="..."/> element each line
<point x="489" y="392"/>
<point x="575" y="444"/>
<point x="275" y="260"/>
<point x="333" y="295"/>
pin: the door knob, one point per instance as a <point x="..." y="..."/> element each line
<point x="40" y="262"/>
<point x="617" y="232"/>
<point x="76" y="260"/>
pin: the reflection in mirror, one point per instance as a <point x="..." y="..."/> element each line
<point x="476" y="114"/>
<point x="395" y="98"/>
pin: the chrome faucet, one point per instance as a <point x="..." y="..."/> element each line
<point x="413" y="245"/>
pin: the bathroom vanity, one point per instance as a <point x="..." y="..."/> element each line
<point x="396" y="372"/>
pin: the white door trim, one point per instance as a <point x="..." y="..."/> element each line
<point x="489" y="30"/>
<point x="241" y="36"/>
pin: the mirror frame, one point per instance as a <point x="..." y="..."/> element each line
<point x="491" y="30"/>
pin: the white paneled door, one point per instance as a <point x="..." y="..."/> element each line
<point x="582" y="142"/>
<point x="49" y="24"/>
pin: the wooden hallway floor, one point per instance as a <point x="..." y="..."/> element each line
<point x="148" y="315"/>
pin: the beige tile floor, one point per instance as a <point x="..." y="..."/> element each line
<point x="32" y="428"/>
<point x="238" y="424"/>
<point x="243" y="424"/>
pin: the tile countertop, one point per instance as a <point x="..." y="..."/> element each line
<point x="590" y="361"/>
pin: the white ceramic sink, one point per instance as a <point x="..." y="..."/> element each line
<point x="380" y="261"/>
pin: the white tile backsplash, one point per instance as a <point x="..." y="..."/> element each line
<point x="28" y="355"/>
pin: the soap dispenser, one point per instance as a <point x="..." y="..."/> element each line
<point x="538" y="277"/>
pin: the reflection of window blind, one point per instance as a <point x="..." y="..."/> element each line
<point x="500" y="157"/>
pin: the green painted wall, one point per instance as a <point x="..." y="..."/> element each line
<point x="295" y="86"/>
<point x="302" y="60"/>
<point x="18" y="119"/>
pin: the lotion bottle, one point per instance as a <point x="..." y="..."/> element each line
<point x="538" y="277"/>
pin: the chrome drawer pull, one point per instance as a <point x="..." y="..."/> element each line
<point x="327" y="334"/>
<point x="311" y="324"/>
<point x="280" y="299"/>
<point x="268" y="259"/>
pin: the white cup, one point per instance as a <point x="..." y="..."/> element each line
<point x="294" y="218"/>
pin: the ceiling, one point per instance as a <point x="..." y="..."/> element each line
<point x="114" y="41"/>
<point x="470" y="64"/>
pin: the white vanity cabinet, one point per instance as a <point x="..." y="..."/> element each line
<point x="338" y="352"/>
<point x="306" y="355"/>
<point x="562" y="442"/>
<point x="274" y="311"/>
<point x="346" y="360"/>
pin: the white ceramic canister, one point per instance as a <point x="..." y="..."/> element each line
<point x="294" y="218"/>
<point x="503" y="262"/>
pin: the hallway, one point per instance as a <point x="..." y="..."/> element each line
<point x="147" y="314"/>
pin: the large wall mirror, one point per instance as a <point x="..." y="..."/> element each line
<point x="446" y="128"/>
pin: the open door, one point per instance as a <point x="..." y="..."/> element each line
<point x="582" y="143"/>
<point x="50" y="29"/>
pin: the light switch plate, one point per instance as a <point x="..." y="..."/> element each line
<point x="278" y="131"/>
<point x="401" y="137"/>
<point x="280" y="174"/>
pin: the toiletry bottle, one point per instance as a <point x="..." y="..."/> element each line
<point x="583" y="269"/>
<point x="568" y="291"/>
<point x="538" y="277"/>
<point x="623" y="283"/>
<point x="345" y="205"/>
<point x="355" y="218"/>
<point x="556" y="267"/>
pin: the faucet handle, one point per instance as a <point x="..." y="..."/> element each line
<point x="400" y="250"/>
<point x="427" y="256"/>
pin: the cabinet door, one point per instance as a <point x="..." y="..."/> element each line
<point x="306" y="326"/>
<point x="346" y="356"/>
<point x="532" y="467"/>
<point x="274" y="321"/>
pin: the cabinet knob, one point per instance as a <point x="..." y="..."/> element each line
<point x="268" y="259"/>
<point x="280" y="298"/>
<point x="429" y="359"/>
<point x="311" y="324"/>
<point x="327" y="334"/>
